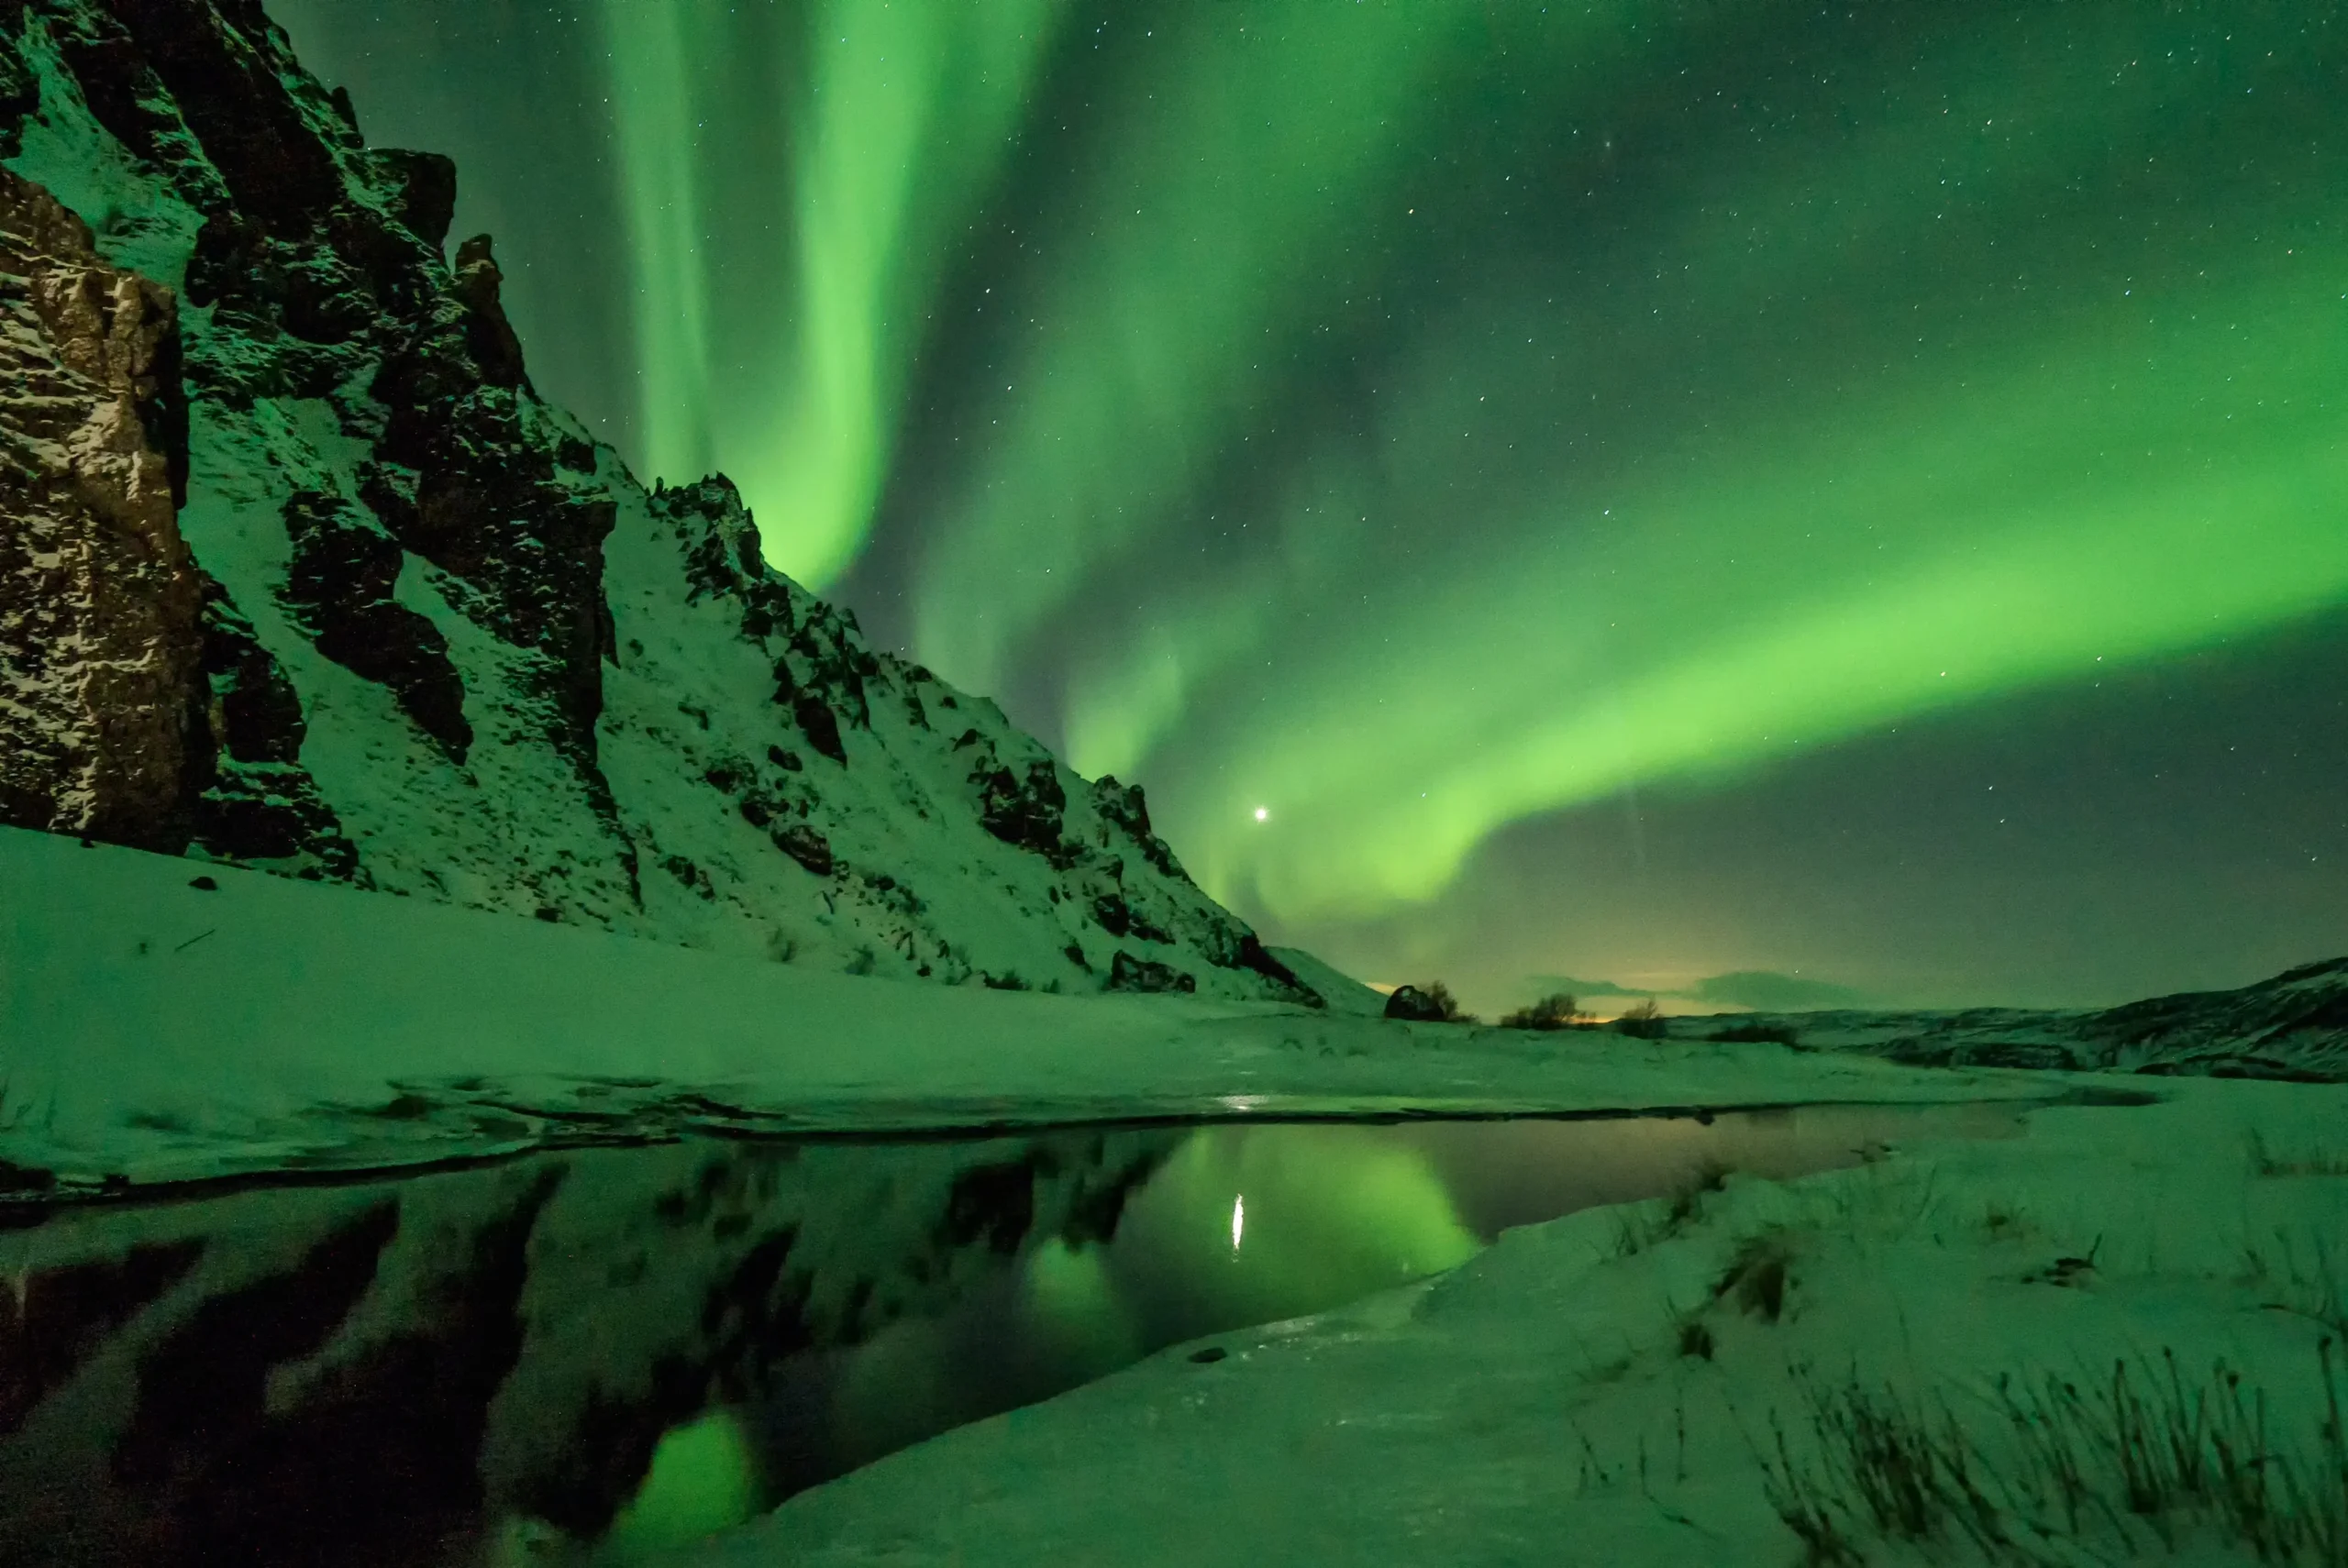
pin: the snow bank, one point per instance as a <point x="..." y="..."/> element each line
<point x="1611" y="1387"/>
<point x="154" y="1030"/>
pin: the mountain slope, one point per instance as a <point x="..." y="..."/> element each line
<point x="445" y="645"/>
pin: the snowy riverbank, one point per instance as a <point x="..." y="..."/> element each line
<point x="1611" y="1387"/>
<point x="153" y="1029"/>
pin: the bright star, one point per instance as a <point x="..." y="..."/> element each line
<point x="1263" y="815"/>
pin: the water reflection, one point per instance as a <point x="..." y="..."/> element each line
<point x="581" y="1356"/>
<point x="703" y="1477"/>
<point x="1247" y="1224"/>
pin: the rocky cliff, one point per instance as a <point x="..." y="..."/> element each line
<point x="411" y="627"/>
<point x="98" y="641"/>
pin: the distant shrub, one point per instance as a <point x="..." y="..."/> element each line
<point x="1555" y="1010"/>
<point x="1754" y="1034"/>
<point x="1430" y="1003"/>
<point x="1009" y="981"/>
<point x="1643" y="1021"/>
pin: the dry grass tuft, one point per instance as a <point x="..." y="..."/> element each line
<point x="2136" y="1465"/>
<point x="1639" y="1226"/>
<point x="1758" y="1277"/>
<point x="2265" y="1161"/>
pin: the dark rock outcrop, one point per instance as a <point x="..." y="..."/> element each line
<point x="258" y="804"/>
<point x="340" y="590"/>
<point x="1124" y="805"/>
<point x="460" y="478"/>
<point x="1023" y="809"/>
<point x="427" y="203"/>
<point x="805" y="846"/>
<point x="1127" y="973"/>
<point x="1253" y="956"/>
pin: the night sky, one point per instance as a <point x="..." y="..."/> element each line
<point x="1742" y="501"/>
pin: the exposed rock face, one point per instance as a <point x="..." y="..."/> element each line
<point x="1127" y="973"/>
<point x="440" y="642"/>
<point x="261" y="805"/>
<point x="339" y="588"/>
<point x="99" y="648"/>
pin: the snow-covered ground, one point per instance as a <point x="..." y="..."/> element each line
<point x="1614" y="1388"/>
<point x="153" y="1029"/>
<point x="1609" y="1387"/>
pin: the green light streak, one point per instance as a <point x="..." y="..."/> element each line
<point x="1201" y="231"/>
<point x="912" y="109"/>
<point x="1942" y="370"/>
<point x="1074" y="1307"/>
<point x="900" y="125"/>
<point x="2144" y="488"/>
<point x="650" y="43"/>
<point x="1831" y="215"/>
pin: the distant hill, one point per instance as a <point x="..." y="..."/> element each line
<point x="2294" y="1026"/>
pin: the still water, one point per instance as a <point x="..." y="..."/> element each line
<point x="578" y="1356"/>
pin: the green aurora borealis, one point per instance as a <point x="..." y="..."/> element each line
<point x="1460" y="429"/>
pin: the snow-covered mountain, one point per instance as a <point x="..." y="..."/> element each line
<point x="297" y="570"/>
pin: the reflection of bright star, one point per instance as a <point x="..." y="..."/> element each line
<point x="1263" y="815"/>
<point x="1238" y="1221"/>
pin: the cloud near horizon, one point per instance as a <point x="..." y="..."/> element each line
<point x="1763" y="990"/>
